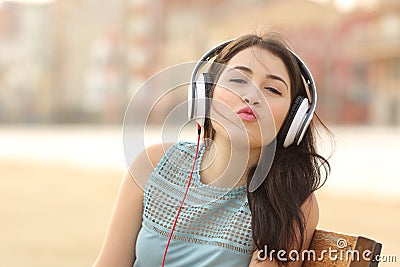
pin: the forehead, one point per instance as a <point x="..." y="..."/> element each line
<point x="260" y="61"/>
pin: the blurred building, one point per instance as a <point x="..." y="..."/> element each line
<point x="62" y="61"/>
<point x="24" y="63"/>
<point x="82" y="60"/>
<point x="89" y="66"/>
<point x="373" y="50"/>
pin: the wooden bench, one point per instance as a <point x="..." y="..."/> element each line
<point x="345" y="250"/>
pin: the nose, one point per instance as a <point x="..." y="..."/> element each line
<point x="246" y="99"/>
<point x="252" y="94"/>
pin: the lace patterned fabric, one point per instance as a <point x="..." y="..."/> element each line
<point x="212" y="217"/>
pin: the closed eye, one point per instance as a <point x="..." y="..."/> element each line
<point x="273" y="90"/>
<point x="238" y="80"/>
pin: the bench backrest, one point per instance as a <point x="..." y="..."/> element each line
<point x="337" y="249"/>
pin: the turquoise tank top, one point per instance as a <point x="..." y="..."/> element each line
<point x="213" y="228"/>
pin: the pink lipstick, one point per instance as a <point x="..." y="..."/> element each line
<point x="247" y="114"/>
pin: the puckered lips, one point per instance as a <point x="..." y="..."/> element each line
<point x="247" y="114"/>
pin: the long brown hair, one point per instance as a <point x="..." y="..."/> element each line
<point x="296" y="171"/>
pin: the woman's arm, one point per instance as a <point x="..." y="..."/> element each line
<point x="119" y="245"/>
<point x="311" y="214"/>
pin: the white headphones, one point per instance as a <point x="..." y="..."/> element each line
<point x="297" y="120"/>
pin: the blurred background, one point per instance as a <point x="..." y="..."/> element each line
<point x="68" y="69"/>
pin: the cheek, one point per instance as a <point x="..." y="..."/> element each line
<point x="223" y="97"/>
<point x="279" y="112"/>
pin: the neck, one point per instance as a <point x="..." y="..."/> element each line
<point x="226" y="163"/>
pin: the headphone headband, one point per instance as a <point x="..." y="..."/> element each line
<point x="312" y="89"/>
<point x="298" y="121"/>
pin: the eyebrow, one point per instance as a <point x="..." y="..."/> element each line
<point x="268" y="76"/>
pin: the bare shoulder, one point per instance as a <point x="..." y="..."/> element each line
<point x="119" y="245"/>
<point x="310" y="210"/>
<point x="146" y="161"/>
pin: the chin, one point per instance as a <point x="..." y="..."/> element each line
<point x="245" y="140"/>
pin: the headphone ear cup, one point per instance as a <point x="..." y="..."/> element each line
<point x="294" y="120"/>
<point x="198" y="102"/>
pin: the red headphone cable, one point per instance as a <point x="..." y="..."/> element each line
<point x="184" y="196"/>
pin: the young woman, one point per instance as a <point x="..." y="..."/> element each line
<point x="223" y="223"/>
